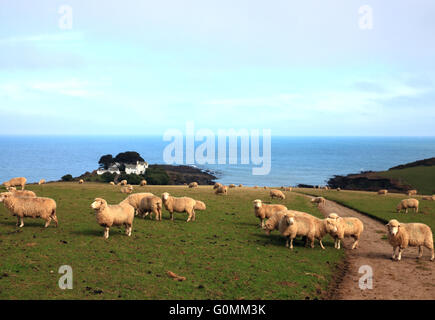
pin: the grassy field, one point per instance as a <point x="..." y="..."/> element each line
<point x="382" y="207"/>
<point x="421" y="178"/>
<point x="223" y="254"/>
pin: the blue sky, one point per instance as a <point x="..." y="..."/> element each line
<point x="300" y="68"/>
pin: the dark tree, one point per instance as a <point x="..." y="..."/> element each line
<point x="128" y="157"/>
<point x="106" y="161"/>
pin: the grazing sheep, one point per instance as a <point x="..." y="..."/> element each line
<point x="265" y="211"/>
<point x="21" y="193"/>
<point x="184" y="204"/>
<point x="21" y="207"/>
<point x="232" y="185"/>
<point x="42" y="181"/>
<point x="339" y="228"/>
<point x="274" y="193"/>
<point x="382" y="191"/>
<point x="135" y="199"/>
<point x="291" y="226"/>
<point x="113" y="215"/>
<point x="199" y="205"/>
<point x="14" y="182"/>
<point x="123" y="183"/>
<point x="112" y="183"/>
<point x="149" y="205"/>
<point x="143" y="183"/>
<point x="193" y="185"/>
<point x="402" y="235"/>
<point x="127" y="189"/>
<point x="430" y="198"/>
<point x="217" y="185"/>
<point x="81" y="181"/>
<point x="406" y="204"/>
<point x="240" y="185"/>
<point x="412" y="192"/>
<point x="319" y="201"/>
<point x="222" y="190"/>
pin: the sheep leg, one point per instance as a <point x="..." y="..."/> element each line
<point x="394" y="253"/>
<point x="47" y="222"/>
<point x="189" y="216"/>
<point x="338" y="243"/>
<point x="106" y="233"/>
<point x="321" y="244"/>
<point x="194" y="215"/>
<point x="20" y="222"/>
<point x="287" y="241"/>
<point x="433" y="256"/>
<point x="312" y="242"/>
<point x="128" y="230"/>
<point x="400" y="254"/>
<point x="355" y="244"/>
<point x="420" y="252"/>
<point x="172" y="216"/>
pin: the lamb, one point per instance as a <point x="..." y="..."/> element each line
<point x="135" y="199"/>
<point x="265" y="211"/>
<point x="127" y="189"/>
<point x="430" y="198"/>
<point x="412" y="192"/>
<point x="123" y="182"/>
<point x="232" y="185"/>
<point x="44" y="208"/>
<point x="81" y="181"/>
<point x="274" y="193"/>
<point x="217" y="185"/>
<point x="149" y="205"/>
<point x="292" y="225"/>
<point x="113" y="215"/>
<point x="193" y="185"/>
<point x="20" y="181"/>
<point x="184" y="204"/>
<point x="339" y="228"/>
<point x="406" y="204"/>
<point x="222" y="190"/>
<point x="402" y="235"/>
<point x="319" y="201"/>
<point x="22" y="193"/>
<point x="143" y="183"/>
<point x="382" y="192"/>
<point x="199" y="205"/>
<point x="42" y="181"/>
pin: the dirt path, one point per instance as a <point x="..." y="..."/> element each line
<point x="407" y="279"/>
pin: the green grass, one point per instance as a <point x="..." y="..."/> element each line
<point x="223" y="255"/>
<point x="381" y="207"/>
<point x="421" y="178"/>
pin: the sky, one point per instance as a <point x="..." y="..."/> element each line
<point x="299" y="68"/>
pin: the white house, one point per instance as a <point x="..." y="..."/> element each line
<point x="138" y="168"/>
<point x="112" y="169"/>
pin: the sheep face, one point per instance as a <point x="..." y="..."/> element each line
<point x="331" y="225"/>
<point x="165" y="196"/>
<point x="4" y="195"/>
<point x="393" y="227"/>
<point x="257" y="203"/>
<point x="98" y="204"/>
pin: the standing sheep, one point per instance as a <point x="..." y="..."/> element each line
<point x="184" y="204"/>
<point x="149" y="205"/>
<point x="222" y="190"/>
<point x="273" y="222"/>
<point x="339" y="228"/>
<point x="382" y="192"/>
<point x="265" y="211"/>
<point x="113" y="215"/>
<point x="405" y="204"/>
<point x="402" y="235"/>
<point x="274" y="193"/>
<point x="14" y="182"/>
<point x="44" y="208"/>
<point x="143" y="183"/>
<point x="319" y="201"/>
<point x="42" y="181"/>
<point x="135" y="199"/>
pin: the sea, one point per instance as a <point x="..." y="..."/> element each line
<point x="294" y="160"/>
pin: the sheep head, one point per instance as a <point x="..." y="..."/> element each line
<point x="5" y="195"/>
<point x="393" y="227"/>
<point x="165" y="196"/>
<point x="289" y="218"/>
<point x="399" y="207"/>
<point x="99" y="204"/>
<point x="331" y="225"/>
<point x="257" y="203"/>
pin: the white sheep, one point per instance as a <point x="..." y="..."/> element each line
<point x="14" y="182"/>
<point x="143" y="183"/>
<point x="339" y="228"/>
<point x="21" y="193"/>
<point x="273" y="222"/>
<point x="405" y="204"/>
<point x="412" y="192"/>
<point x="184" y="204"/>
<point x="382" y="192"/>
<point x="222" y="190"/>
<point x="113" y="215"/>
<point x="193" y="185"/>
<point x="274" y="193"/>
<point x="402" y="235"/>
<point x="127" y="189"/>
<point x="217" y="185"/>
<point x="149" y="205"/>
<point x="135" y="199"/>
<point x="42" y="181"/>
<point x="21" y="207"/>
<point x="81" y="181"/>
<point x="264" y="211"/>
<point x="318" y="200"/>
